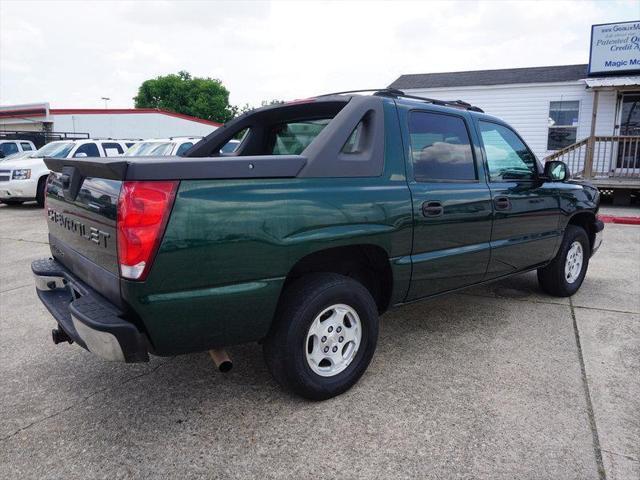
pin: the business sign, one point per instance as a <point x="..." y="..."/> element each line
<point x="615" y="48"/>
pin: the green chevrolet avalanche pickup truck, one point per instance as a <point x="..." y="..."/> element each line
<point x="329" y="212"/>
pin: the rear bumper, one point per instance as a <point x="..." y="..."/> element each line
<point x="86" y="317"/>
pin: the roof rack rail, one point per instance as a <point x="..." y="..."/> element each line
<point x="395" y="93"/>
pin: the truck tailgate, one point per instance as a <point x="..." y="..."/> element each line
<point x="82" y="230"/>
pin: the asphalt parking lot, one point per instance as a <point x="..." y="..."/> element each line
<point x="500" y="381"/>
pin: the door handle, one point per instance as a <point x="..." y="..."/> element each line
<point x="432" y="209"/>
<point x="502" y="203"/>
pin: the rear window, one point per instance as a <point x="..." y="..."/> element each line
<point x="292" y="138"/>
<point x="26" y="146"/>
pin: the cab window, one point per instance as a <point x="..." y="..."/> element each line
<point x="26" y="147"/>
<point x="508" y="158"/>
<point x="89" y="149"/>
<point x="8" y="148"/>
<point x="440" y="148"/>
<point x="184" y="147"/>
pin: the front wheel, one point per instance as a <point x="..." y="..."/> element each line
<point x="323" y="337"/>
<point x="565" y="274"/>
<point x="41" y="191"/>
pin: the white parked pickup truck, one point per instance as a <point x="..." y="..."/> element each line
<point x="160" y="147"/>
<point x="12" y="147"/>
<point x="23" y="178"/>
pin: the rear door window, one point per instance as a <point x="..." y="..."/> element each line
<point x="26" y="147"/>
<point x="440" y="148"/>
<point x="112" y="149"/>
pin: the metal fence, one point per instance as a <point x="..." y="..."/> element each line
<point x="41" y="138"/>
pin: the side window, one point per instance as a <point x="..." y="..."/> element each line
<point x="508" y="157"/>
<point x="184" y="147"/>
<point x="440" y="148"/>
<point x="26" y="147"/>
<point x="353" y="143"/>
<point x="89" y="149"/>
<point x="8" y="148"/>
<point x="112" y="149"/>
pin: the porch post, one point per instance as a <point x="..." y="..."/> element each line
<point x="591" y="142"/>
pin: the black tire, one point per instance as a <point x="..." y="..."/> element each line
<point x="42" y="184"/>
<point x="12" y="202"/>
<point x="301" y="303"/>
<point x="552" y="277"/>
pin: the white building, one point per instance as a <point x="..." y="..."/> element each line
<point x="103" y="123"/>
<point x="587" y="115"/>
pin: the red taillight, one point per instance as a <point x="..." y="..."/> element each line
<point x="143" y="211"/>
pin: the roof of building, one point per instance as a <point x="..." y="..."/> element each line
<point x="559" y="73"/>
<point x="43" y="110"/>
<point x="627" y="81"/>
<point x="121" y="111"/>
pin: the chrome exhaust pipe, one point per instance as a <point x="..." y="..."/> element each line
<point x="221" y="359"/>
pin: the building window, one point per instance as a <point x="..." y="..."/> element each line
<point x="563" y="124"/>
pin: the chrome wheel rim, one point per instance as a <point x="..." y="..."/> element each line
<point x="573" y="262"/>
<point x="333" y="340"/>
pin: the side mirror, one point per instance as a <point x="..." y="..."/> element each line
<point x="556" y="171"/>
<point x="80" y="155"/>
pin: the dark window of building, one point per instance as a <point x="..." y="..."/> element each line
<point x="563" y="124"/>
<point x="440" y="148"/>
<point x="89" y="149"/>
<point x="508" y="158"/>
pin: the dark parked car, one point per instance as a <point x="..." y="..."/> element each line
<point x="330" y="211"/>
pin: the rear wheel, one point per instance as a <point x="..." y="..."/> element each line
<point x="323" y="337"/>
<point x="565" y="274"/>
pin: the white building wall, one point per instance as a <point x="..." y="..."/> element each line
<point x="526" y="107"/>
<point x="130" y="125"/>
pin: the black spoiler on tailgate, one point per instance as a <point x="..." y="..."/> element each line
<point x="182" y="168"/>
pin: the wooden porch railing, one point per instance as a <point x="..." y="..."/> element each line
<point x="602" y="157"/>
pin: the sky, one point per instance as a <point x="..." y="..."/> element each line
<point x="71" y="54"/>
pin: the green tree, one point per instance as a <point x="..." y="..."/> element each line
<point x="200" y="97"/>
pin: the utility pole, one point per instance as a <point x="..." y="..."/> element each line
<point x="106" y="99"/>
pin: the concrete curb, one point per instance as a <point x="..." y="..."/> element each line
<point x="621" y="220"/>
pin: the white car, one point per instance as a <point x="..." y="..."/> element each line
<point x="11" y="147"/>
<point x="160" y="147"/>
<point x="23" y="179"/>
